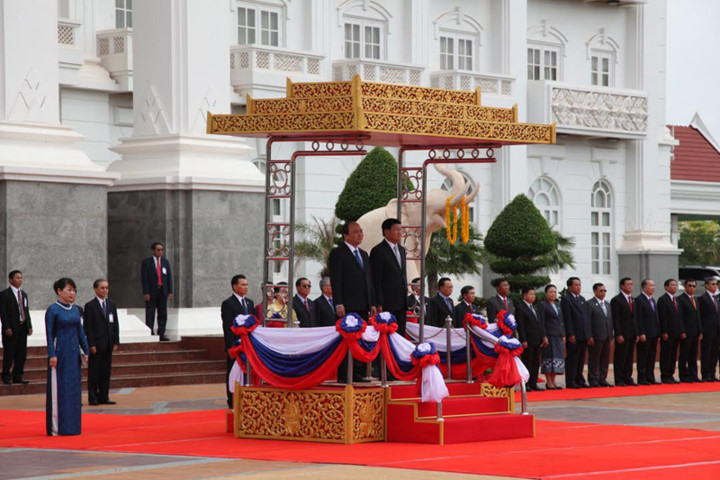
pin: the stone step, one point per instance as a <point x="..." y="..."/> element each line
<point x="137" y="369"/>
<point x="131" y="357"/>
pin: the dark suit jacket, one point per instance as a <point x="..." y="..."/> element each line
<point x="690" y="315"/>
<point x="352" y="285"/>
<point x="461" y="309"/>
<point x="306" y="318"/>
<point x="389" y="278"/>
<point x="530" y="328"/>
<point x="552" y="321"/>
<point x="669" y="316"/>
<point x="324" y="314"/>
<point x="10" y="313"/>
<point x="438" y="310"/>
<point x="600" y="323"/>
<point x="148" y="274"/>
<point x="100" y="331"/>
<point x="624" y="322"/>
<point x="495" y="304"/>
<point x="575" y="315"/>
<point x="647" y="319"/>
<point x="709" y="317"/>
<point x="230" y="309"/>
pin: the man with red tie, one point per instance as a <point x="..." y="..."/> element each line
<point x="303" y="307"/>
<point x="687" y="361"/>
<point x="625" y="327"/>
<point x="501" y="301"/>
<point x="157" y="287"/>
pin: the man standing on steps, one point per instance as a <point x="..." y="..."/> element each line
<point x="16" y="326"/>
<point x="100" y="321"/>
<point x="157" y="286"/>
<point x="236" y="304"/>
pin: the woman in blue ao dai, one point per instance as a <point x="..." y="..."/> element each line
<point x="65" y="335"/>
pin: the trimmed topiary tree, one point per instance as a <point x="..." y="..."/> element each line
<point x="519" y="243"/>
<point x="371" y="185"/>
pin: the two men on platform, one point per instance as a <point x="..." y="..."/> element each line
<point x="100" y="321"/>
<point x="236" y="304"/>
<point x="352" y="286"/>
<point x="16" y="327"/>
<point x="157" y="287"/>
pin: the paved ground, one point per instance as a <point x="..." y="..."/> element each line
<point x="699" y="410"/>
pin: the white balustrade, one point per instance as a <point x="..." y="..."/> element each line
<point x="462" y="80"/>
<point x="377" y="71"/>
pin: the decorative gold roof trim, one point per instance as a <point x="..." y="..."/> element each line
<point x="369" y="107"/>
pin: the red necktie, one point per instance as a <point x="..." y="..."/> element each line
<point x="159" y="273"/>
<point x="675" y="304"/>
<point x="22" y="309"/>
<point x="630" y="303"/>
<point x="307" y="307"/>
<point x="506" y="306"/>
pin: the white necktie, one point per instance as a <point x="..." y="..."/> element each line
<point x="397" y="255"/>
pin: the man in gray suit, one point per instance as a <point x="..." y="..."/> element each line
<point x="501" y="301"/>
<point x="602" y="334"/>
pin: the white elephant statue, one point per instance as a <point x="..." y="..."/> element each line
<point x="411" y="215"/>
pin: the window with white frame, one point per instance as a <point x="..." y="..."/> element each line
<point x="543" y="62"/>
<point x="601" y="69"/>
<point x="544" y="194"/>
<point x="469" y="187"/>
<point x="601" y="228"/>
<point x="258" y="26"/>
<point x="123" y="13"/>
<point x="363" y="39"/>
<point x="456" y="52"/>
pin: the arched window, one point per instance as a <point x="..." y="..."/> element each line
<point x="365" y="26"/>
<point x="546" y="49"/>
<point x="469" y="187"/>
<point x="459" y="39"/>
<point x="601" y="227"/>
<point x="546" y="198"/>
<point x="602" y="51"/>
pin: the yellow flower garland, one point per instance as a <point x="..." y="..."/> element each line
<point x="452" y="221"/>
<point x="451" y="228"/>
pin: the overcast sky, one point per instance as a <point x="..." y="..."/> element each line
<point x="693" y="62"/>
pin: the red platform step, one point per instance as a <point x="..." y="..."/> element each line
<point x="468" y="416"/>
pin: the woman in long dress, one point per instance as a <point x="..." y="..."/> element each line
<point x="553" y="355"/>
<point x="65" y="334"/>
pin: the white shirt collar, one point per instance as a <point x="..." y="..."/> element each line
<point x="710" y="293"/>
<point x="352" y="249"/>
<point x="14" y="290"/>
<point x="100" y="300"/>
<point x="238" y="297"/>
<point x="528" y="304"/>
<point x="627" y="297"/>
<point x="327" y="298"/>
<point x="647" y="296"/>
<point x="390" y="243"/>
<point x="670" y="295"/>
<point x="300" y="297"/>
<point x="600" y="301"/>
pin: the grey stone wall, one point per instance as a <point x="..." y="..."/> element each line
<point x="53" y="230"/>
<point x="654" y="266"/>
<point x="208" y="236"/>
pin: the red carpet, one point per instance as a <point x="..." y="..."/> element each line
<point x="604" y="392"/>
<point x="560" y="450"/>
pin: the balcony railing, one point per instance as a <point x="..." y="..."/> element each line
<point x="114" y="47"/>
<point x="247" y="57"/>
<point x="461" y="80"/>
<point x="377" y="71"/>
<point x="589" y="110"/>
<point x="67" y="32"/>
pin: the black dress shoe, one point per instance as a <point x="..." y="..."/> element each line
<point x="605" y="384"/>
<point x="643" y="382"/>
<point x="6" y="381"/>
<point x="630" y="382"/>
<point x="620" y="384"/>
<point x="584" y="385"/>
<point x="94" y="404"/>
<point x="164" y="339"/>
<point x="108" y="402"/>
<point x="574" y="387"/>
<point x="594" y="385"/>
<point x="667" y="382"/>
<point x="675" y="380"/>
<point x="21" y="381"/>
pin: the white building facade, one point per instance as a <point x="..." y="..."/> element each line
<point x="126" y="86"/>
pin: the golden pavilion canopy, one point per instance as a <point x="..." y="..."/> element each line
<point x="386" y="114"/>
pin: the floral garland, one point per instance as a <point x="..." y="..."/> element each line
<point x="452" y="221"/>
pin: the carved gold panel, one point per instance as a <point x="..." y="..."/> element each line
<point x="487" y="390"/>
<point x="339" y="415"/>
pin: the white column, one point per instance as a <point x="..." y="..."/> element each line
<point x="33" y="144"/>
<point x="182" y="72"/>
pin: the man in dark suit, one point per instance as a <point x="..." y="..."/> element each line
<point x="389" y="272"/>
<point x="579" y="333"/>
<point x="671" y="331"/>
<point x="100" y="321"/>
<point x="625" y="327"/>
<point x="466" y="305"/>
<point x="501" y="301"/>
<point x="710" y="321"/>
<point x="157" y="286"/>
<point x="303" y="307"/>
<point x="324" y="306"/>
<point x="649" y="332"/>
<point x="531" y="334"/>
<point x="16" y="327"/>
<point x="413" y="300"/>
<point x="687" y="363"/>
<point x="236" y="304"/>
<point x="441" y="305"/>
<point x="353" y="292"/>
<point x="601" y="324"/>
